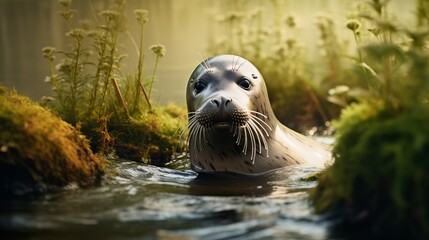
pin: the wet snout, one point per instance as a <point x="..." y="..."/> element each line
<point x="221" y="102"/>
<point x="223" y="106"/>
<point x="221" y="110"/>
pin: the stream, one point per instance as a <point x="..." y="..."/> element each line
<point x="138" y="201"/>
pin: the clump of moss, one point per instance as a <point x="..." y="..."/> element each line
<point x="152" y="138"/>
<point x="379" y="179"/>
<point x="378" y="183"/>
<point x="39" y="151"/>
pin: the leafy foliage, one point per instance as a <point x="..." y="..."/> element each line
<point x="379" y="176"/>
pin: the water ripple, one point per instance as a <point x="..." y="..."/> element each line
<point x="142" y="201"/>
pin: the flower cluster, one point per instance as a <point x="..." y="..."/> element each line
<point x="353" y="25"/>
<point x="110" y="15"/>
<point x="77" y="33"/>
<point x="67" y="14"/>
<point x="142" y="15"/>
<point x="65" y="3"/>
<point x="158" y="49"/>
<point x="290" y="22"/>
<point x="48" y="53"/>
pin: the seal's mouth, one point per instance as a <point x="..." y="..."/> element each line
<point x="222" y="125"/>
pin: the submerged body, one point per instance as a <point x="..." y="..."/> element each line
<point x="232" y="127"/>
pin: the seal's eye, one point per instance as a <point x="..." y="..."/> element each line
<point x="245" y="84"/>
<point x="199" y="86"/>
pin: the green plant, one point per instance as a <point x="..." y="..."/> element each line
<point x="272" y="45"/>
<point x="94" y="93"/>
<point x="378" y="182"/>
<point x="88" y="82"/>
<point x="142" y="19"/>
<point x="159" y="51"/>
<point x="379" y="178"/>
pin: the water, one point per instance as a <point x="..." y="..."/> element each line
<point x="137" y="201"/>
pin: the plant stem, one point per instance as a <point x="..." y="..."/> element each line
<point x="55" y="84"/>
<point x="94" y="14"/>
<point x="74" y="83"/>
<point x="102" y="52"/>
<point x="153" y="75"/>
<point x="140" y="72"/>
<point x="145" y="95"/>
<point x="139" y="68"/>
<point x="361" y="63"/>
<point x="119" y="95"/>
<point x="316" y="101"/>
<point x="133" y="42"/>
<point x="109" y="71"/>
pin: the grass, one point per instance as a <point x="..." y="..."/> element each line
<point x="115" y="110"/>
<point x="377" y="185"/>
<point x="272" y="43"/>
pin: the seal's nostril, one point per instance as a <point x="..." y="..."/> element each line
<point x="228" y="101"/>
<point x="215" y="102"/>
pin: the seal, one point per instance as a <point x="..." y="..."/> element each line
<point x="232" y="127"/>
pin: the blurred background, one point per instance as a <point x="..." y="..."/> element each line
<point x="188" y="28"/>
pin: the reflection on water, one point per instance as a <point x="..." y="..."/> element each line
<point x="137" y="201"/>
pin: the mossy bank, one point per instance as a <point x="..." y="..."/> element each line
<point x="152" y="137"/>
<point x="378" y="184"/>
<point x="39" y="151"/>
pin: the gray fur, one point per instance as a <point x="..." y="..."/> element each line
<point x="232" y="128"/>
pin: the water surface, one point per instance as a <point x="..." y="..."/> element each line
<point x="138" y="201"/>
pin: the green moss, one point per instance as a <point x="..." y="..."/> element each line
<point x="38" y="149"/>
<point x="152" y="138"/>
<point x="310" y="178"/>
<point x="380" y="175"/>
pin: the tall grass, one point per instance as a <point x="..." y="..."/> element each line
<point x="272" y="43"/>
<point x="87" y="79"/>
<point x="112" y="108"/>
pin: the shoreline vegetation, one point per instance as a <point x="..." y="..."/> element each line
<point x="377" y="100"/>
<point x="39" y="152"/>
<point x="96" y="108"/>
<point x="378" y="183"/>
<point x="376" y="97"/>
<point x="113" y="109"/>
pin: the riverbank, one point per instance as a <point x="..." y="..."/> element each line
<point x="39" y="151"/>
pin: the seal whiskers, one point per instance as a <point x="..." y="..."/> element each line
<point x="204" y="63"/>
<point x="254" y="134"/>
<point x="194" y="128"/>
<point x="239" y="66"/>
<point x="184" y="130"/>
<point x="257" y="124"/>
<point x="252" y="143"/>
<point x="232" y="127"/>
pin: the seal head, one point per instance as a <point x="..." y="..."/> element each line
<point x="232" y="127"/>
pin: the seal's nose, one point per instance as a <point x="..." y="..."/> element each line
<point x="221" y="102"/>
